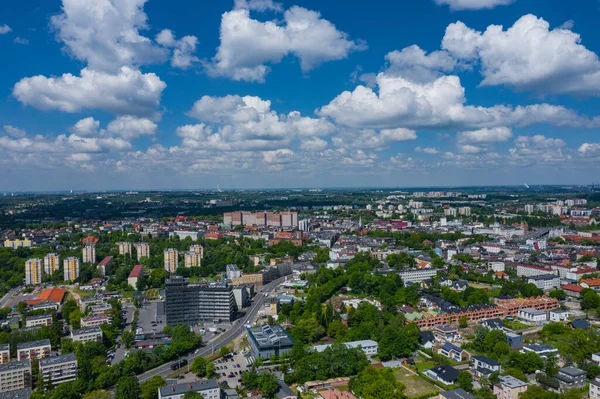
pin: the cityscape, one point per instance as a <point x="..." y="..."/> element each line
<point x="300" y="199"/>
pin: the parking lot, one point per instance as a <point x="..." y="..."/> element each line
<point x="230" y="369"/>
<point x="151" y="317"/>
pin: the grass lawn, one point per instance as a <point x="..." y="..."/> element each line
<point x="425" y="366"/>
<point x="515" y="325"/>
<point x="415" y="385"/>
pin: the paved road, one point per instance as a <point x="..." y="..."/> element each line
<point x="228" y="336"/>
<point x="6" y="297"/>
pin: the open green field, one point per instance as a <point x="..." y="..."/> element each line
<point x="415" y="385"/>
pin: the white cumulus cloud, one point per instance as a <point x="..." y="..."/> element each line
<point x="248" y="45"/>
<point x="128" y="92"/>
<point x="528" y="56"/>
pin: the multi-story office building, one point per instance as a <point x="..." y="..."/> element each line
<point x="192" y="259"/>
<point x="39" y="320"/>
<point x="94" y="321"/>
<point x="51" y="263"/>
<point x="197" y="249"/>
<point x="34" y="271"/>
<point x="124" y="248"/>
<point x="87" y="335"/>
<point x="4" y="353"/>
<point x="191" y="304"/>
<point x="59" y="369"/>
<point x="142" y="249"/>
<point x="34" y="349"/>
<point x="71" y="268"/>
<point x="209" y="389"/>
<point x="89" y="253"/>
<point x="171" y="259"/>
<point x="15" y="375"/>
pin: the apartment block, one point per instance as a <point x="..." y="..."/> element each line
<point x="34" y="349"/>
<point x="59" y="369"/>
<point x="197" y="249"/>
<point x="89" y="253"/>
<point x="34" y="271"/>
<point x="104" y="265"/>
<point x="124" y="248"/>
<point x="138" y="270"/>
<point x="192" y="259"/>
<point x="532" y="270"/>
<point x="4" y="353"/>
<point x="18" y="243"/>
<point x="191" y="304"/>
<point x="94" y="321"/>
<point x="40" y="320"/>
<point x="87" y="335"/>
<point x="51" y="263"/>
<point x="417" y="275"/>
<point x="15" y="375"/>
<point x="594" y="389"/>
<point x="282" y="219"/>
<point x="71" y="268"/>
<point x="100" y="309"/>
<point x="142" y="249"/>
<point x="171" y="256"/>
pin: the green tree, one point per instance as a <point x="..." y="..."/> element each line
<point x="211" y="370"/>
<point x="98" y="394"/>
<point x="465" y="381"/>
<point x="558" y="294"/>
<point x="374" y="383"/>
<point x="149" y="389"/>
<point x="127" y="338"/>
<point x="199" y="366"/>
<point x="128" y="387"/>
<point x="224" y="351"/>
<point x="463" y="322"/>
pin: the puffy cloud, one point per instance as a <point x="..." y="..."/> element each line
<point x="183" y="49"/>
<point x="413" y="63"/>
<point x="249" y="122"/>
<point x="370" y="139"/>
<point x="259" y="5"/>
<point x="86" y="127"/>
<point x="401" y="102"/>
<point x="106" y="33"/>
<point x="4" y="29"/>
<point x="128" y="92"/>
<point x="473" y="4"/>
<point x="129" y="127"/>
<point x="538" y="149"/>
<point x="589" y="149"/>
<point x="248" y="44"/>
<point x="528" y="56"/>
<point x="485" y="135"/>
<point x="14" y="131"/>
<point x="428" y="150"/>
<point x="313" y="144"/>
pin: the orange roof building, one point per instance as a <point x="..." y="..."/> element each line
<point x="90" y="240"/>
<point x="51" y="294"/>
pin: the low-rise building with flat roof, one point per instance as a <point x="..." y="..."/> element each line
<point x="509" y="387"/>
<point x="87" y="335"/>
<point x="59" y="369"/>
<point x="267" y="340"/>
<point x="209" y="389"/>
<point x="34" y="349"/>
<point x="15" y="376"/>
<point x="4" y="353"/>
<point x="39" y="320"/>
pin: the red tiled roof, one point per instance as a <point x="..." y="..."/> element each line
<point x="51" y="294"/>
<point x="90" y="240"/>
<point x="106" y="261"/>
<point x="137" y="271"/>
<point x="572" y="287"/>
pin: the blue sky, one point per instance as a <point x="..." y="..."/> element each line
<point x="134" y="94"/>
